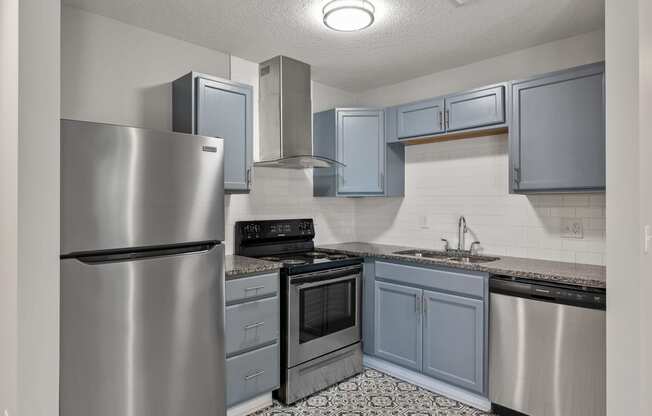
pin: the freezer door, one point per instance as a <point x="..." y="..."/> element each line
<point x="143" y="337"/>
<point x="129" y="187"/>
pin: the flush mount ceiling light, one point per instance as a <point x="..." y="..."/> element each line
<point x="348" y="15"/>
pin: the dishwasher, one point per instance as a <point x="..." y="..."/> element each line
<point x="547" y="349"/>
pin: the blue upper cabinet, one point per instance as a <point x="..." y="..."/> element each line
<point x="361" y="147"/>
<point x="356" y="138"/>
<point x="478" y="108"/>
<point x="421" y="119"/>
<point x="216" y="107"/>
<point x="557" y="133"/>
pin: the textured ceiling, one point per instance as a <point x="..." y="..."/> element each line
<point x="409" y="38"/>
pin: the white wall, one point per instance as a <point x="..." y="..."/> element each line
<point x="645" y="156"/>
<point x="470" y="177"/>
<point x="8" y="202"/>
<point x="629" y="206"/>
<point x="38" y="207"/>
<point x="117" y="73"/>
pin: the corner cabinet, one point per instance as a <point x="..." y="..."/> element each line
<point x="356" y="138"/>
<point x="557" y="134"/>
<point x="476" y="109"/>
<point x="211" y="106"/>
<point x="433" y="321"/>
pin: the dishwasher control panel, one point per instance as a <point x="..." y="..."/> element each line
<point x="566" y="294"/>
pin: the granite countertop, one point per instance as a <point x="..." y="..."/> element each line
<point x="238" y="266"/>
<point x="584" y="275"/>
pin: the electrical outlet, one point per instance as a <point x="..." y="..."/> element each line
<point x="572" y="228"/>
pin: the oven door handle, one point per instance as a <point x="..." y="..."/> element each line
<point x="302" y="286"/>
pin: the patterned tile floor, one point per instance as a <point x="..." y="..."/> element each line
<point x="376" y="394"/>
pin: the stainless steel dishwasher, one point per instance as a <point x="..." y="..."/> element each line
<point x="546" y="349"/>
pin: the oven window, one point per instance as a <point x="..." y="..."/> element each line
<point x="326" y="309"/>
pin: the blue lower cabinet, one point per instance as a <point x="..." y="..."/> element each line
<point x="453" y="339"/>
<point x="251" y="374"/>
<point x="252" y="337"/>
<point x="398" y="324"/>
<point x="433" y="321"/>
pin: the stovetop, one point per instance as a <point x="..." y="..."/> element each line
<point x="289" y="242"/>
<point x="306" y="258"/>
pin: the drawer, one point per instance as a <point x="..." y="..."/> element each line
<point x="251" y="374"/>
<point x="252" y="287"/>
<point x="466" y="283"/>
<point x="251" y="324"/>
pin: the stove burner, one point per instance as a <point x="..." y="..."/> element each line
<point x="293" y="262"/>
<point x="316" y="254"/>
<point x="337" y="256"/>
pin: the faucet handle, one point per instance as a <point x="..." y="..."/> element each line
<point x="448" y="246"/>
<point x="472" y="250"/>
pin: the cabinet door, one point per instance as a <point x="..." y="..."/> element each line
<point x="421" y="119"/>
<point x="557" y="137"/>
<point x="361" y="147"/>
<point x="453" y="340"/>
<point x="398" y="329"/>
<point x="225" y="110"/>
<point x="476" y="108"/>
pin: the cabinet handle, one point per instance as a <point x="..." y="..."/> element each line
<point x="251" y="289"/>
<point x="254" y="375"/>
<point x="441" y="121"/>
<point x="248" y="177"/>
<point x="425" y="311"/>
<point x="256" y="325"/>
<point x="417" y="307"/>
<point x="517" y="175"/>
<point x="447" y="119"/>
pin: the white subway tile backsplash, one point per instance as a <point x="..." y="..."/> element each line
<point x="443" y="181"/>
<point x="469" y="177"/>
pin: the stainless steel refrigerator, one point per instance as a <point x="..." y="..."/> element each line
<point x="142" y="272"/>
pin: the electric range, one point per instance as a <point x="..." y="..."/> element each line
<point x="320" y="304"/>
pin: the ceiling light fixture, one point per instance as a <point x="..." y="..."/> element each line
<point x="348" y="15"/>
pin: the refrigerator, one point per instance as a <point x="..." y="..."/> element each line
<point x="142" y="272"/>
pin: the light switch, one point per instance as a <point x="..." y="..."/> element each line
<point x="647" y="232"/>
<point x="572" y="228"/>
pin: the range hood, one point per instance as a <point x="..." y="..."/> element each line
<point x="285" y="116"/>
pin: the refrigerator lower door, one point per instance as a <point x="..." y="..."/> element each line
<point x="129" y="187"/>
<point x="143" y="337"/>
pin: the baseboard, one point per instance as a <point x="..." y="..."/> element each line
<point x="428" y="383"/>
<point x="251" y="406"/>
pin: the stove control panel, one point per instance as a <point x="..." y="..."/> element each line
<point x="251" y="231"/>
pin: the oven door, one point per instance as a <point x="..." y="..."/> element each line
<point x="324" y="313"/>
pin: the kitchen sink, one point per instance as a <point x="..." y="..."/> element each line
<point x="473" y="259"/>
<point x="423" y="253"/>
<point x="443" y="255"/>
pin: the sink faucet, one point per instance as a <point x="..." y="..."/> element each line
<point x="461" y="233"/>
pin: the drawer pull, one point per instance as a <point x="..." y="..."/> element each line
<point x="254" y="375"/>
<point x="256" y="325"/>
<point x="250" y="289"/>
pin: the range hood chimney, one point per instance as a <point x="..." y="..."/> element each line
<point x="286" y="116"/>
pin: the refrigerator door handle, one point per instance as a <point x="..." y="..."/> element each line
<point x="112" y="256"/>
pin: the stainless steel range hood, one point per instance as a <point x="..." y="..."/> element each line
<point x="286" y="116"/>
